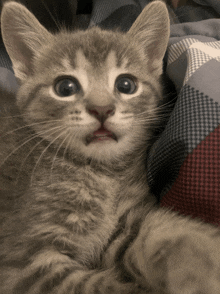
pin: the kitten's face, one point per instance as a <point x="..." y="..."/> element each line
<point x="95" y="100"/>
<point x="91" y="93"/>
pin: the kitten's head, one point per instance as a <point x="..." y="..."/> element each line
<point x="92" y="92"/>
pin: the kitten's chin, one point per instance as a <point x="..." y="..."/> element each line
<point x="101" y="148"/>
<point x="103" y="145"/>
<point x="106" y="149"/>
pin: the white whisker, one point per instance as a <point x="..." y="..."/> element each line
<point x="51" y="15"/>
<point x="30" y="125"/>
<point x="67" y="146"/>
<point x="12" y="116"/>
<point x="164" y="108"/>
<point x="42" y="154"/>
<point x="30" y="138"/>
<point x="55" y="156"/>
<point x="29" y="153"/>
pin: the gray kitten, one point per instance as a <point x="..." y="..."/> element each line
<point x="82" y="219"/>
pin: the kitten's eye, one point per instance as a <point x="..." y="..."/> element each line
<point x="67" y="87"/>
<point x="126" y="85"/>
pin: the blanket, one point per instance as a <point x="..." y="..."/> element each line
<point x="187" y="155"/>
<point x="183" y="165"/>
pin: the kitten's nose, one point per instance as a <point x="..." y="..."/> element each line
<point x="102" y="112"/>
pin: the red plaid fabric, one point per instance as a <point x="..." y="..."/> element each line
<point x="196" y="191"/>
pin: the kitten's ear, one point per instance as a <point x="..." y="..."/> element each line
<point x="151" y="32"/>
<point x="23" y="36"/>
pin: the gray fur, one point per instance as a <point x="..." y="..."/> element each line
<point x="82" y="219"/>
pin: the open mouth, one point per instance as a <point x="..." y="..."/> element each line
<point x="101" y="135"/>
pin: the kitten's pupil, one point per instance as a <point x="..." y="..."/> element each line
<point x="67" y="87"/>
<point x="126" y="85"/>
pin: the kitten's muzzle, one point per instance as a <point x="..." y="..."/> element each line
<point x="101" y="113"/>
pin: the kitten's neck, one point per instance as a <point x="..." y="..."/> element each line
<point x="126" y="166"/>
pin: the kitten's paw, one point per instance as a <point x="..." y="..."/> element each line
<point x="192" y="268"/>
<point x="184" y="265"/>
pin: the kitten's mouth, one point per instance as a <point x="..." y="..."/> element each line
<point x="100" y="135"/>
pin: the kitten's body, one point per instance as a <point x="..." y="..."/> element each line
<point x="81" y="218"/>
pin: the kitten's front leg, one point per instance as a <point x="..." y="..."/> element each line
<point x="176" y="255"/>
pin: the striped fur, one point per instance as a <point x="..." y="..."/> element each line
<point x="81" y="219"/>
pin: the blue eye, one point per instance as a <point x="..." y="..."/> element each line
<point x="126" y="85"/>
<point x="67" y="87"/>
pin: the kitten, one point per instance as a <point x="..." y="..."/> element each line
<point x="81" y="218"/>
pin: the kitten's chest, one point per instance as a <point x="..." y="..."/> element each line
<point x="85" y="196"/>
<point x="83" y="202"/>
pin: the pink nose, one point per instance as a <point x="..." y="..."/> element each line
<point x="102" y="112"/>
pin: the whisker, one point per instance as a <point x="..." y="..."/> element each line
<point x="154" y="113"/>
<point x="30" y="138"/>
<point x="30" y="125"/>
<point x="163" y="107"/>
<point x="67" y="146"/>
<point x="42" y="154"/>
<point x="12" y="116"/>
<point x="32" y="149"/>
<point x="55" y="156"/>
<point x="51" y="15"/>
<point x="146" y="117"/>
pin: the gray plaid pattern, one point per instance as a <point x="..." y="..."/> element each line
<point x="196" y="58"/>
<point x="197" y="110"/>
<point x="179" y="48"/>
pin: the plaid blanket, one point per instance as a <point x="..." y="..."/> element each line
<point x="184" y="163"/>
<point x="187" y="155"/>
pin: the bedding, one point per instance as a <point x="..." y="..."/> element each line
<point x="187" y="155"/>
<point x="184" y="162"/>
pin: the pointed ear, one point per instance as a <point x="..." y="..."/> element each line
<point x="23" y="36"/>
<point x="151" y="32"/>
